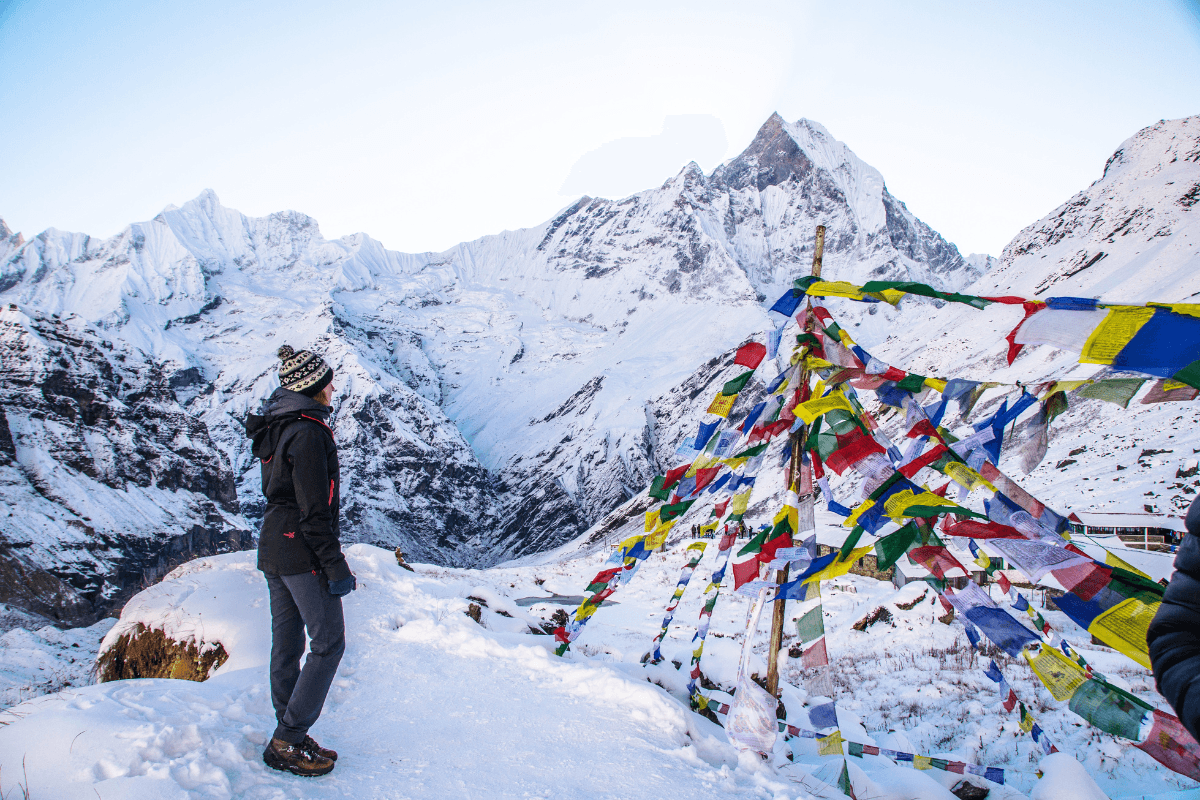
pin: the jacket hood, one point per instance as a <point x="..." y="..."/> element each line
<point x="285" y="401"/>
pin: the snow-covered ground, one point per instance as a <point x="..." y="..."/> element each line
<point x="37" y="658"/>
<point x="429" y="703"/>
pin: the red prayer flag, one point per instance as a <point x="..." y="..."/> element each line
<point x="956" y="767"/>
<point x="750" y="354"/>
<point x="767" y="553"/>
<point x="1083" y="580"/>
<point x="816" y="656"/>
<point x="705" y="476"/>
<point x="674" y="475"/>
<point x="1172" y="746"/>
<point x="719" y="508"/>
<point x="983" y="530"/>
<point x="727" y="541"/>
<point x="870" y="750"/>
<point x="745" y="572"/>
<point x="922" y="428"/>
<point x="868" y="383"/>
<point x="854" y="451"/>
<point x="1014" y="349"/>
<point x="893" y="374"/>
<point x="1007" y="299"/>
<point x="1005" y="584"/>
<point x="910" y="469"/>
<point x="937" y="560"/>
<point x="560" y="634"/>
<point x="605" y="575"/>
<point x="1010" y="702"/>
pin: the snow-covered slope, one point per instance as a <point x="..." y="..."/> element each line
<point x="492" y="398"/>
<point x="429" y="703"/>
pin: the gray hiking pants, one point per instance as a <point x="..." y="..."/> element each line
<point x="299" y="602"/>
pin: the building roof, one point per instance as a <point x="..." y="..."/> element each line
<point x="1136" y="519"/>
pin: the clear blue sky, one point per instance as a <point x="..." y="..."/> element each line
<point x="425" y="124"/>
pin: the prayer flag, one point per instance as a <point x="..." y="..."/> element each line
<point x="721" y="405"/>
<point x="735" y="386"/>
<point x="750" y="354"/>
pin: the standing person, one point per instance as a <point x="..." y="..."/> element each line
<point x="300" y="553"/>
<point x="1174" y="634"/>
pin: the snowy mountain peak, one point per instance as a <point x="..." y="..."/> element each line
<point x="1132" y="235"/>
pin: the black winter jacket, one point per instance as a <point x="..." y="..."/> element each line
<point x="300" y="529"/>
<point x="1174" y="635"/>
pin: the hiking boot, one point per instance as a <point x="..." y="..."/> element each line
<point x="312" y="745"/>
<point x="296" y="759"/>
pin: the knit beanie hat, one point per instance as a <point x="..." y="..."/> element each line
<point x="304" y="372"/>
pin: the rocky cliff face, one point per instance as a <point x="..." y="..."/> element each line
<point x="493" y="400"/>
<point x="108" y="481"/>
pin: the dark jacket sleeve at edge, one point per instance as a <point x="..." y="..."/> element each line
<point x="311" y="480"/>
<point x="1174" y="638"/>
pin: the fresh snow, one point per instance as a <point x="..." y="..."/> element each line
<point x="428" y="703"/>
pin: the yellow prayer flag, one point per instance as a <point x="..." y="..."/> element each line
<point x="1067" y="386"/>
<point x="734" y="463"/>
<point x="1114" y="332"/>
<point x="812" y="362"/>
<point x="1113" y="560"/>
<point x="835" y="289"/>
<point x="830" y="745"/>
<point x="937" y="384"/>
<point x="698" y="545"/>
<point x="900" y="502"/>
<point x="791" y="514"/>
<point x="1170" y="385"/>
<point x="659" y="537"/>
<point x="819" y="389"/>
<point x="710" y="527"/>
<point x="585" y="611"/>
<point x="1190" y="309"/>
<point x="630" y="543"/>
<point x="1027" y="722"/>
<point x="814" y="408"/>
<point x="858" y="511"/>
<point x="721" y="405"/>
<point x="651" y="520"/>
<point x="1059" y="674"/>
<point x="922" y="762"/>
<point x="1123" y="627"/>
<point x="891" y="296"/>
<point x="840" y="566"/>
<point x="963" y="475"/>
<point x="740" y="501"/>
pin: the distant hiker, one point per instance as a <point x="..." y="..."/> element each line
<point x="300" y="553"/>
<point x="1174" y="635"/>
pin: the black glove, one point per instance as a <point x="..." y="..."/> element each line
<point x="343" y="587"/>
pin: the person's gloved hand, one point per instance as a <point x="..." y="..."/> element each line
<point x="343" y="587"/>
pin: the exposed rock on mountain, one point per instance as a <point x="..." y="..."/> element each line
<point x="108" y="481"/>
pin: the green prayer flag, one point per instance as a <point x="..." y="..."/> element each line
<point x="1054" y="405"/>
<point x="656" y="488"/>
<point x="737" y="384"/>
<point x="1189" y="375"/>
<point x="1114" y="390"/>
<point x="912" y="383"/>
<point x="811" y="626"/>
<point x="851" y="540"/>
<point x="939" y="763"/>
<point x="598" y="586"/>
<point x="855" y="748"/>
<point x="670" y="512"/>
<point x="750" y="452"/>
<point x="755" y="544"/>
<point x="891" y="547"/>
<point x="1110" y="709"/>
<point x="841" y="421"/>
<point x="844" y="781"/>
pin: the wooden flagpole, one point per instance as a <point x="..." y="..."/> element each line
<point x="777" y="617"/>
